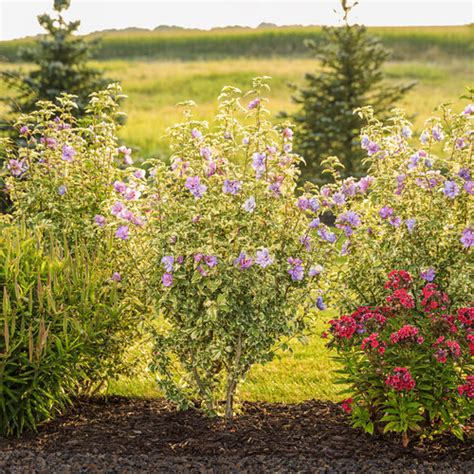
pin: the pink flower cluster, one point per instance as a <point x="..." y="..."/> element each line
<point x="406" y="332"/>
<point x="400" y="379"/>
<point x="467" y="389"/>
<point x="401" y="298"/>
<point x="433" y="299"/>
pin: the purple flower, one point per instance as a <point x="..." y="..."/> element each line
<point x="198" y="257"/>
<point x="206" y="152"/>
<point x="349" y="217"/>
<point x="253" y="103"/>
<point x="406" y="131"/>
<point x="202" y="270"/>
<point x="17" y="167"/>
<point x="275" y="188"/>
<point x="211" y="168"/>
<point x="345" y="249"/>
<point x="287" y="147"/>
<point x="288" y="133"/>
<point x="167" y="280"/>
<point x="414" y="160"/>
<point x="127" y="154"/>
<point x="437" y="133"/>
<point x="469" y="110"/>
<point x="303" y="204"/>
<point x="326" y="235"/>
<point x="180" y="259"/>
<point x="68" y="153"/>
<point x="193" y="183"/>
<point x="116" y="276"/>
<point x="259" y="163"/>
<point x="249" y="204"/>
<point x="49" y="142"/>
<point x="467" y="237"/>
<point x="305" y="240"/>
<point x="424" y="137"/>
<point x="385" y="212"/>
<point x="24" y="130"/>
<point x="139" y="174"/>
<point x="122" y="232"/>
<point x="99" y="220"/>
<point x="131" y="194"/>
<point x="315" y="271"/>
<point x="231" y="187"/>
<point x="460" y="143"/>
<point x="428" y="275"/>
<point x="168" y="262"/>
<point x="400" y="184"/>
<point x="339" y="199"/>
<point x="296" y="270"/>
<point x="451" y="189"/>
<point x="195" y="133"/>
<point x="365" y="183"/>
<point x="62" y="190"/>
<point x="372" y="148"/>
<point x="410" y="223"/>
<point x="263" y="258"/>
<point x="465" y="174"/>
<point x="315" y="223"/>
<point x="314" y="204"/>
<point x="211" y="260"/>
<point x="120" y="187"/>
<point x="243" y="262"/>
<point x="320" y="303"/>
<point x="469" y="187"/>
<point x="395" y="221"/>
<point x="118" y="209"/>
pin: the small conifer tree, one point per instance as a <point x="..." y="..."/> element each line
<point x="350" y="76"/>
<point x="60" y="60"/>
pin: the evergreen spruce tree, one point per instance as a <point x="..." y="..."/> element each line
<point x="350" y="76"/>
<point x="60" y="62"/>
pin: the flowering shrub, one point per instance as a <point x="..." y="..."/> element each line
<point x="60" y="178"/>
<point x="227" y="252"/>
<point x="413" y="210"/>
<point x="408" y="361"/>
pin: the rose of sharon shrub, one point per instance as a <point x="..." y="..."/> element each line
<point x="60" y="179"/>
<point x="408" y="361"/>
<point x="228" y="252"/>
<point x="417" y="211"/>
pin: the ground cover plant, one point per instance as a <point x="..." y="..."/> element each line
<point x="232" y="250"/>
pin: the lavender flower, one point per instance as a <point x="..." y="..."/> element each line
<point x="451" y="189"/>
<point x="195" y="133"/>
<point x="469" y="187"/>
<point x="254" y="103"/>
<point x="316" y="270"/>
<point x="211" y="168"/>
<point x="231" y="187"/>
<point x="202" y="271"/>
<point x="193" y="183"/>
<point x="17" y="167"/>
<point x="303" y="204"/>
<point x="315" y="223"/>
<point x="243" y="262"/>
<point x="275" y="188"/>
<point x="116" y="276"/>
<point x="365" y="183"/>
<point x="288" y="133"/>
<point x="49" y="142"/>
<point x="24" y="130"/>
<point x="467" y="237"/>
<point x="437" y="133"/>
<point x="339" y="199"/>
<point x="206" y="152"/>
<point x="424" y="137"/>
<point x="122" y="232"/>
<point x="139" y="174"/>
<point x="131" y="194"/>
<point x="211" y="260"/>
<point x="99" y="220"/>
<point x="168" y="262"/>
<point x="465" y="174"/>
<point x="62" y="190"/>
<point x="386" y="212"/>
<point x="428" y="275"/>
<point x="414" y="160"/>
<point x="395" y="221"/>
<point x="372" y="148"/>
<point x="120" y="186"/>
<point x="320" y="303"/>
<point x="167" y="280"/>
<point x="406" y="131"/>
<point x="469" y="110"/>
<point x="68" y="153"/>
<point x="263" y="258"/>
<point x="296" y="270"/>
<point x="327" y="235"/>
<point x="249" y="204"/>
<point x="127" y="154"/>
<point x="410" y="223"/>
<point x="305" y="240"/>
<point x="349" y="217"/>
<point x="259" y="163"/>
<point x="118" y="209"/>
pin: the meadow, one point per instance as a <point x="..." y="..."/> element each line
<point x="438" y="60"/>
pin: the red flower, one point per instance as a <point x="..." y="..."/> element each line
<point x="404" y="332"/>
<point x="466" y="316"/>
<point x="401" y="298"/>
<point x="344" y="327"/>
<point x="468" y="388"/>
<point x="398" y="279"/>
<point x="400" y="379"/>
<point x="346" y="405"/>
<point x="433" y="299"/>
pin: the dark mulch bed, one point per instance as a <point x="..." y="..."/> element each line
<point x="123" y="435"/>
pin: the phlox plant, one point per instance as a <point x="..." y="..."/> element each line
<point x="416" y="214"/>
<point x="60" y="178"/>
<point x="408" y="361"/>
<point x="232" y="260"/>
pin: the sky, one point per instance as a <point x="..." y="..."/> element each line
<point x="18" y="17"/>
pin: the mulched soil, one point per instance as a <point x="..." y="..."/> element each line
<point x="124" y="435"/>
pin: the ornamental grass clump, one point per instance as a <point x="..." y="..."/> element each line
<point x="408" y="361"/>
<point x="232" y="260"/>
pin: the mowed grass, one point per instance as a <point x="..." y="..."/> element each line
<point x="305" y="372"/>
<point x="154" y="88"/>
